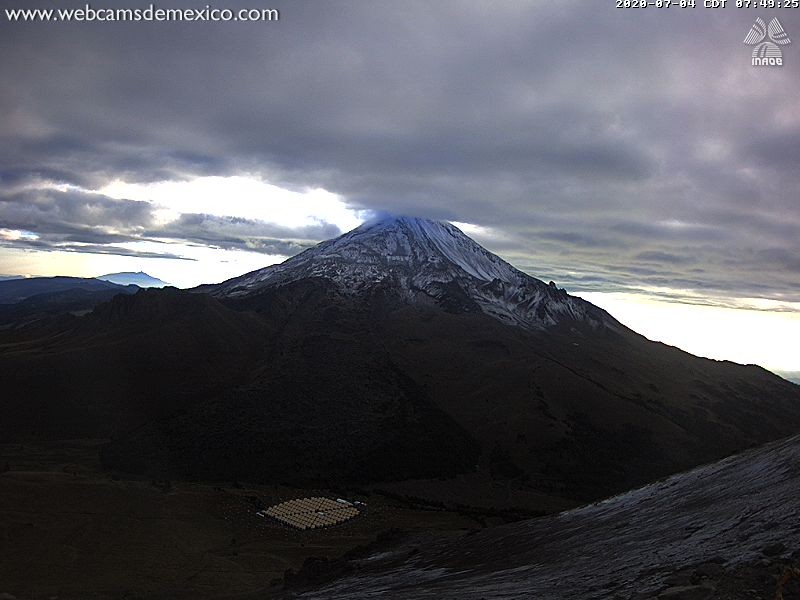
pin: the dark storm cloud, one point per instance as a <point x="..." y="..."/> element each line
<point x="662" y="257"/>
<point x="624" y="148"/>
<point x="778" y="149"/>
<point x="585" y="240"/>
<point x="75" y="221"/>
<point x="50" y="244"/>
<point x="73" y="215"/>
<point x="244" y="234"/>
<point x="78" y="221"/>
<point x="116" y="251"/>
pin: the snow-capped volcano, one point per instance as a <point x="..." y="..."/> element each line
<point x="422" y="260"/>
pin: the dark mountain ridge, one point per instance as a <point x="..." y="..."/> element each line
<point x="401" y="350"/>
<point x="24" y="300"/>
<point x="16" y="290"/>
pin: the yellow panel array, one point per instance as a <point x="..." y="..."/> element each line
<point x="312" y="513"/>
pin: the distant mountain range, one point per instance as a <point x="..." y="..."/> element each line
<point x="25" y="299"/>
<point x="402" y="350"/>
<point x="19" y="289"/>
<point x="793" y="376"/>
<point x="143" y="280"/>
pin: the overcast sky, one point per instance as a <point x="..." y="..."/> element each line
<point x="624" y="151"/>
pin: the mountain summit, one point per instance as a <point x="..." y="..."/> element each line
<point x="423" y="261"/>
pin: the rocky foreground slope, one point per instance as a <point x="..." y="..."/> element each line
<point x="725" y="530"/>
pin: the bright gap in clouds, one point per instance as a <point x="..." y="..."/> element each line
<point x="206" y="265"/>
<point x="240" y="196"/>
<point x="294" y="215"/>
<point x="743" y="335"/>
<point x="203" y="265"/>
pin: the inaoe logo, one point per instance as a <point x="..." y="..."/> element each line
<point x="767" y="53"/>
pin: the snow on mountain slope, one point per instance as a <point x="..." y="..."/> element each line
<point x="716" y="518"/>
<point x="423" y="260"/>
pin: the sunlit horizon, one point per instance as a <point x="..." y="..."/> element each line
<point x="743" y="334"/>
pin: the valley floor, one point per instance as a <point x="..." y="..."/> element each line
<point x="70" y="531"/>
<point x="725" y="531"/>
